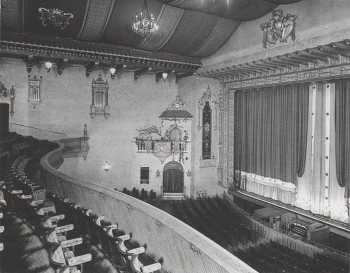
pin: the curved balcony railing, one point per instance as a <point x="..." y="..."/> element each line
<point x="183" y="248"/>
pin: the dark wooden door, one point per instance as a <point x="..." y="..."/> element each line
<point x="173" y="178"/>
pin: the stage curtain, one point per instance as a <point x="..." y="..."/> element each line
<point x="271" y="131"/>
<point x="342" y="131"/>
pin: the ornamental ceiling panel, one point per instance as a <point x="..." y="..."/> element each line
<point x="218" y="36"/>
<point x="184" y="36"/>
<point x="11" y="15"/>
<point x="96" y="18"/>
<point x="34" y="24"/>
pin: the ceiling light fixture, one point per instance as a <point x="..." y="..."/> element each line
<point x="144" y="22"/>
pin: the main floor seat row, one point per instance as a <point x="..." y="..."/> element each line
<point x="218" y="220"/>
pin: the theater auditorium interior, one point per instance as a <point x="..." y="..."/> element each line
<point x="174" y="136"/>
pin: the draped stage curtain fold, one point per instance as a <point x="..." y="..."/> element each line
<point x="271" y="131"/>
<point x="342" y="132"/>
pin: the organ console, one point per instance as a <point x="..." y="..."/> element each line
<point x="299" y="229"/>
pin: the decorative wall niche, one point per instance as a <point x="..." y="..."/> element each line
<point x="34" y="90"/>
<point x="99" y="98"/>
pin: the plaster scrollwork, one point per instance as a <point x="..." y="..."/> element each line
<point x="214" y="105"/>
<point x="55" y="17"/>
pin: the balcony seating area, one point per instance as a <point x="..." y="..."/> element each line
<point x="219" y="221"/>
<point x="46" y="233"/>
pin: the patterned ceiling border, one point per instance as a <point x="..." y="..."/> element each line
<point x="318" y="63"/>
<point x="76" y="51"/>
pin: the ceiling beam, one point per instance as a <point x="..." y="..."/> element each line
<point x="283" y="63"/>
<point x="79" y="52"/>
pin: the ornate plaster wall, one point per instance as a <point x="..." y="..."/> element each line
<point x="65" y="108"/>
<point x="318" y="22"/>
<point x="206" y="173"/>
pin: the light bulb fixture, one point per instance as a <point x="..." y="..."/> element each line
<point x="162" y="75"/>
<point x="106" y="166"/>
<point x="48" y="66"/>
<point x="165" y="75"/>
<point x="144" y="22"/>
<point x="112" y="71"/>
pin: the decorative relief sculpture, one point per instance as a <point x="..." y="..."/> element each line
<point x="55" y="17"/>
<point x="99" y="99"/>
<point x="34" y="90"/>
<point x="279" y="29"/>
<point x="172" y="138"/>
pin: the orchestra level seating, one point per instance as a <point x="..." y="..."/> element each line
<point x="217" y="219"/>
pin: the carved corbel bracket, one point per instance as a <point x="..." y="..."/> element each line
<point x="30" y="62"/>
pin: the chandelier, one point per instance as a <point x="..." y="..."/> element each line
<point x="144" y="22"/>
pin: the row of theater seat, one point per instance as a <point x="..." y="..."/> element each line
<point x="31" y="211"/>
<point x="264" y="256"/>
<point x="72" y="235"/>
<point x="218" y="220"/>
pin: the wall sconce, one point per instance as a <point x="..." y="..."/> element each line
<point x="112" y="70"/>
<point x="157" y="173"/>
<point x="106" y="166"/>
<point x="48" y="66"/>
<point x="189" y="173"/>
<point x="165" y="75"/>
<point x="162" y="75"/>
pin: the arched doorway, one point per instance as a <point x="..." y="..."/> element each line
<point x="173" y="178"/>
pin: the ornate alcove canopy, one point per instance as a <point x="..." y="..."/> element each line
<point x="176" y="111"/>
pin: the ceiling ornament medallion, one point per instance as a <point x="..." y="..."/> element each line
<point x="279" y="29"/>
<point x="55" y="17"/>
<point x="144" y="22"/>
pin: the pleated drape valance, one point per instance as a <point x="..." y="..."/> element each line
<point x="342" y="131"/>
<point x="271" y="131"/>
